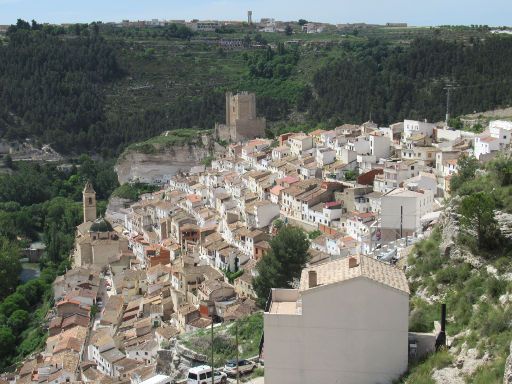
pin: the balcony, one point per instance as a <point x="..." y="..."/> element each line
<point x="284" y="302"/>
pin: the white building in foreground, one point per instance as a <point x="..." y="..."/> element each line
<point x="347" y="323"/>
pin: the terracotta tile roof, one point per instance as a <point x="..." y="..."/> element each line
<point x="339" y="270"/>
<point x="317" y="132"/>
<point x="75" y="320"/>
<point x="276" y="190"/>
<point x="200" y="322"/>
<point x="167" y="332"/>
<point x="194" y="198"/>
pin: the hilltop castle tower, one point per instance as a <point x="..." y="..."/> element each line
<point x="89" y="203"/>
<point x="242" y="122"/>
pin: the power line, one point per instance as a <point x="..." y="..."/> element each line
<point x="454" y="86"/>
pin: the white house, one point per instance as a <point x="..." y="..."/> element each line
<point x="279" y="153"/>
<point x="103" y="351"/>
<point x="261" y="213"/>
<point x="300" y="143"/>
<point x="495" y="138"/>
<point x="325" y="156"/>
<point x="361" y="145"/>
<point x="485" y="144"/>
<point x="401" y="211"/>
<point x="423" y="181"/>
<point x="359" y="226"/>
<point x="501" y="130"/>
<point x="347" y="323"/>
<point x="144" y="352"/>
<point x="413" y="127"/>
<point x="395" y="173"/>
<point x="379" y="145"/>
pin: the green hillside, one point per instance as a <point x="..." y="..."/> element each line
<point x="466" y="263"/>
<point x="98" y="88"/>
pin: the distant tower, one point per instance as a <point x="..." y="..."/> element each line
<point x="89" y="202"/>
<point x="249" y="17"/>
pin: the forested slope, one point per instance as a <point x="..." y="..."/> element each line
<point x="392" y="82"/>
<point x="51" y="87"/>
<point x="97" y="89"/>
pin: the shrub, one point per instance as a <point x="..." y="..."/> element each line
<point x="496" y="287"/>
<point x="422" y="316"/>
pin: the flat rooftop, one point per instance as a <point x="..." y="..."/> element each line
<point x="284" y="308"/>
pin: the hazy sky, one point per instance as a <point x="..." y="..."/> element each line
<point x="414" y="12"/>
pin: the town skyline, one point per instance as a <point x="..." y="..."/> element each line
<point x="428" y="14"/>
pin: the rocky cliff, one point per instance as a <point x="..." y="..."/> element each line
<point x="476" y="286"/>
<point x="161" y="157"/>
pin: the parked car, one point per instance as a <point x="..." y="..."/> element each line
<point x="203" y="375"/>
<point x="244" y="366"/>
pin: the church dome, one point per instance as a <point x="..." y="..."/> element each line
<point x="101" y="225"/>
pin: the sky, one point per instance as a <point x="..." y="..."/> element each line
<point x="414" y="12"/>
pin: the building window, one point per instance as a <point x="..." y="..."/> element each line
<point x="90" y="200"/>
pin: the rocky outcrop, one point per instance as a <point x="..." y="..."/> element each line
<point x="177" y="360"/>
<point x="465" y="364"/>
<point x="507" y="377"/>
<point x="504" y="223"/>
<point x="450" y="224"/>
<point x="159" y="166"/>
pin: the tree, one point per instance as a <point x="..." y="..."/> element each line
<point x="288" y="30"/>
<point x="502" y="167"/>
<point x="477" y="214"/>
<point x="7" y="342"/>
<point x="18" y="321"/>
<point x="283" y="263"/>
<point x="8" y="161"/>
<point x="351" y="175"/>
<point x="302" y="22"/>
<point x="10" y="266"/>
<point x="467" y="166"/>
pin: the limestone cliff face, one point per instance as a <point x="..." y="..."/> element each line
<point x="507" y="377"/>
<point x="160" y="164"/>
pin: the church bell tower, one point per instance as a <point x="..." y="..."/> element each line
<point x="89" y="202"/>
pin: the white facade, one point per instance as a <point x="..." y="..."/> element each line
<point x="300" y="143"/>
<point x="423" y="181"/>
<point x="501" y="130"/>
<point x="325" y="156"/>
<point x="485" y="144"/>
<point x="413" y="127"/>
<point x="402" y="209"/>
<point x="394" y="174"/>
<point x="361" y="145"/>
<point x="352" y="331"/>
<point x="380" y="146"/>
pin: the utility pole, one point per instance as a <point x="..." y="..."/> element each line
<point x="213" y="370"/>
<point x="401" y="219"/>
<point x="237" y="354"/>
<point x="448" y="90"/>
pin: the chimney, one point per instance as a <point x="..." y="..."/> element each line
<point x="312" y="278"/>
<point x="352" y="262"/>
